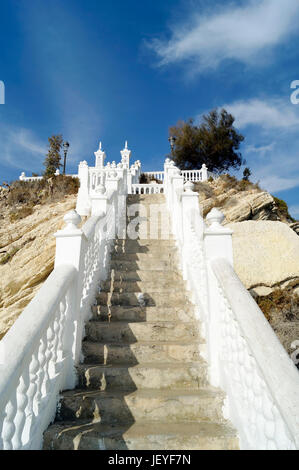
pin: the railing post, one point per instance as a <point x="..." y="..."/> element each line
<point x="70" y="243"/>
<point x="218" y="239"/>
<point x="177" y="187"/>
<point x="204" y="173"/>
<point x="99" y="201"/>
<point x="218" y="244"/>
<point x="83" y="201"/>
<point x="190" y="207"/>
<point x="166" y="180"/>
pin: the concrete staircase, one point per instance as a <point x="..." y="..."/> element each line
<point x="143" y="383"/>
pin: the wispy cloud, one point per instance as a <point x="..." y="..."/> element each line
<point x="242" y="33"/>
<point x="260" y="150"/>
<point x="294" y="211"/>
<point x="267" y="114"/>
<point x="21" y="148"/>
<point x="270" y="127"/>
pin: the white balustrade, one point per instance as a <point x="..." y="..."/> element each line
<point x="147" y="189"/>
<point x="157" y="175"/>
<point x="40" y="351"/>
<point x="244" y="355"/>
<point x="197" y="175"/>
<point x="259" y="378"/>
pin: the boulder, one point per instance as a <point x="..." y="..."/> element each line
<point x="266" y="254"/>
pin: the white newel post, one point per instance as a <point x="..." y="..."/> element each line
<point x="177" y="185"/>
<point x="166" y="183"/>
<point x="69" y="248"/>
<point x="204" y="172"/>
<point x="218" y="244"/>
<point x="190" y="208"/>
<point x="83" y="201"/>
<point x="99" y="201"/>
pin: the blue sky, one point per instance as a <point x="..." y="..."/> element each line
<point x="96" y="70"/>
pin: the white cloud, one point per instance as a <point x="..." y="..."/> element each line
<point x="20" y="148"/>
<point x="270" y="114"/>
<point x="243" y="33"/>
<point x="262" y="149"/>
<point x="294" y="211"/>
<point x="275" y="183"/>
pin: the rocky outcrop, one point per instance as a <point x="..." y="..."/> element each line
<point x="241" y="201"/>
<point x="27" y="251"/>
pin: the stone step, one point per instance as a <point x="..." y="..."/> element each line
<point x="158" y="299"/>
<point x="146" y="276"/>
<point x="151" y="405"/>
<point x="136" y="314"/>
<point x="145" y="198"/>
<point x="147" y="265"/>
<point x="157" y="285"/>
<point x="144" y="243"/>
<point x="140" y="331"/>
<point x="89" y="435"/>
<point x="152" y="251"/>
<point x="149" y="257"/>
<point x="188" y="376"/>
<point x="142" y="352"/>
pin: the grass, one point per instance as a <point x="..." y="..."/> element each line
<point x="21" y="213"/>
<point x="21" y="196"/>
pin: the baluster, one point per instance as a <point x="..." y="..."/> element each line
<point x="9" y="427"/>
<point x="56" y="328"/>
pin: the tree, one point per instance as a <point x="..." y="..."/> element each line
<point x="214" y="142"/>
<point x="246" y="174"/>
<point x="52" y="161"/>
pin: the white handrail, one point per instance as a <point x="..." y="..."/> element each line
<point x="35" y="362"/>
<point x="41" y="350"/>
<point x="244" y="355"/>
<point x="260" y="379"/>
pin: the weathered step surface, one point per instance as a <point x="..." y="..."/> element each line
<point x="188" y="376"/>
<point x="142" y="314"/>
<point x="146" y="264"/>
<point x="143" y="245"/>
<point x="157" y="285"/>
<point x="141" y="436"/>
<point x="162" y="299"/>
<point x="144" y="257"/>
<point x="149" y="275"/>
<point x="150" y="405"/>
<point x="142" y="352"/>
<point x="141" y="331"/>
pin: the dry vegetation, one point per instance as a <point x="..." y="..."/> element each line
<point x="20" y="197"/>
<point x="281" y="308"/>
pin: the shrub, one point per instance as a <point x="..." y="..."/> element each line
<point x="283" y="209"/>
<point x="20" y="213"/>
<point x="31" y="193"/>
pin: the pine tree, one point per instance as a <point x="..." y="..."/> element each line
<point x="52" y="161"/>
<point x="214" y="142"/>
